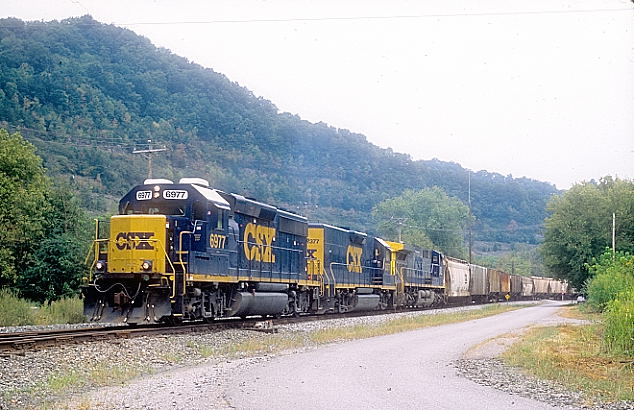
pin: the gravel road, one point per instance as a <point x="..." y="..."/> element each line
<point x="411" y="370"/>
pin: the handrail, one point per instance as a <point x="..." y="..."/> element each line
<point x="402" y="278"/>
<point x="334" y="280"/>
<point x="180" y="259"/>
<point x="154" y="241"/>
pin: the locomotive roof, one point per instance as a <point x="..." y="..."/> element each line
<point x="195" y="190"/>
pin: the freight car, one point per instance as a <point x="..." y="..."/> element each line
<point x="184" y="251"/>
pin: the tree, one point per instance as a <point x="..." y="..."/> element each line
<point x="580" y="226"/>
<point x="23" y="197"/>
<point x="57" y="265"/>
<point x="43" y="232"/>
<point x="427" y="218"/>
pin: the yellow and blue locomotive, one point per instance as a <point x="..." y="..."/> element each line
<point x="186" y="251"/>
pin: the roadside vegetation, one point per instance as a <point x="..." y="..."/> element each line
<point x="611" y="292"/>
<point x="597" y="359"/>
<point x="15" y="311"/>
<point x="575" y="356"/>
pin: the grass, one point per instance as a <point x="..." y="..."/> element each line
<point x="577" y="357"/>
<point x="581" y="312"/>
<point x="15" y="311"/>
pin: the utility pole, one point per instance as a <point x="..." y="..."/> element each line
<point x="470" y="217"/>
<point x="399" y="224"/>
<point x="149" y="151"/>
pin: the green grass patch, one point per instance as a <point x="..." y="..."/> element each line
<point x="406" y="324"/>
<point x="576" y="357"/>
<point x="15" y="311"/>
<point x="66" y="310"/>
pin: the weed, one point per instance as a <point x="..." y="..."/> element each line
<point x="64" y="380"/>
<point x="66" y="310"/>
<point x="619" y="324"/>
<point x="574" y="356"/>
<point x="14" y="311"/>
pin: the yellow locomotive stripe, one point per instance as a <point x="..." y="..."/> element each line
<point x="236" y="279"/>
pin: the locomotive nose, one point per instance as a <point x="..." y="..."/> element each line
<point x="137" y="244"/>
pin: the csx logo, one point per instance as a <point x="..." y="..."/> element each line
<point x="134" y="240"/>
<point x="258" y="243"/>
<point x="353" y="258"/>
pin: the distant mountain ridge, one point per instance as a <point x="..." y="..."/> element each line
<point x="86" y="93"/>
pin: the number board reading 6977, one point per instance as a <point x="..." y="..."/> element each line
<point x="174" y="194"/>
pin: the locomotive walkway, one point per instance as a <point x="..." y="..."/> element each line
<point x="411" y="370"/>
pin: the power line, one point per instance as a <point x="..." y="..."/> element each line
<point x="391" y="17"/>
<point x="355" y="18"/>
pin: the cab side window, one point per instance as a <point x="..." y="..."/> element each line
<point x="220" y="220"/>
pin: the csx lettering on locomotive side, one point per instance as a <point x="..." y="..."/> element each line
<point x="134" y="240"/>
<point x="353" y="259"/>
<point x="258" y="242"/>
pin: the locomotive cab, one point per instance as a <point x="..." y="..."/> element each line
<point x="163" y="232"/>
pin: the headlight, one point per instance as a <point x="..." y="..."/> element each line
<point x="100" y="266"/>
<point x="146" y="265"/>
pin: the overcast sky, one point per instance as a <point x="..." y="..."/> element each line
<point x="542" y="89"/>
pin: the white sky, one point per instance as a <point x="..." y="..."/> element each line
<point x="542" y="89"/>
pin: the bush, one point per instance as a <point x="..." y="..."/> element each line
<point x="13" y="310"/>
<point x="612" y="276"/>
<point x="66" y="310"/>
<point x="619" y="323"/>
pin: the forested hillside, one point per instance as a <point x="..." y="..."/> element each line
<point x="86" y="94"/>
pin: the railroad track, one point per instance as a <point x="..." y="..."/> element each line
<point x="20" y="342"/>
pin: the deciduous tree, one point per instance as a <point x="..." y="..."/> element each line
<point x="428" y="218"/>
<point x="580" y="226"/>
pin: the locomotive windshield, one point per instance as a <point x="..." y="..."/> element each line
<point x="172" y="207"/>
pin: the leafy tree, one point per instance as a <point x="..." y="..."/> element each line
<point x="24" y="205"/>
<point x="428" y="218"/>
<point x="522" y="259"/>
<point x="580" y="226"/>
<point x="43" y="228"/>
<point x="57" y="264"/>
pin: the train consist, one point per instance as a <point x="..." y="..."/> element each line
<point x="185" y="251"/>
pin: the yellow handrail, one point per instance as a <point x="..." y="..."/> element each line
<point x="171" y="277"/>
